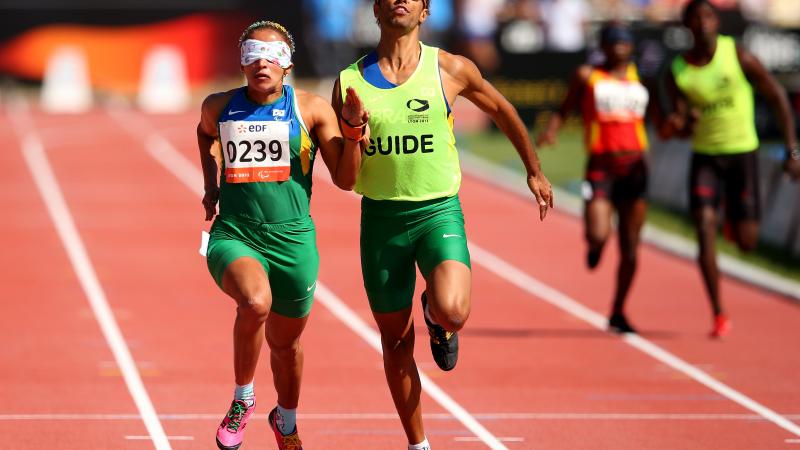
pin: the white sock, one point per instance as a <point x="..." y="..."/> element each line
<point x="424" y="445"/>
<point x="286" y="419"/>
<point x="245" y="393"/>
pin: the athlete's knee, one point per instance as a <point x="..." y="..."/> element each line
<point x="746" y="235"/>
<point x="705" y="220"/>
<point x="284" y="349"/>
<point x="453" y="320"/>
<point x="254" y="307"/>
<point x="596" y="237"/>
<point x="453" y="316"/>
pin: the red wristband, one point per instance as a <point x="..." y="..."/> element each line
<point x="351" y="132"/>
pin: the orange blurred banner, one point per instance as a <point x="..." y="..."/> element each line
<point x="114" y="54"/>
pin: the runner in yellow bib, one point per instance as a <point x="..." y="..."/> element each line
<point x="711" y="88"/>
<point x="409" y="179"/>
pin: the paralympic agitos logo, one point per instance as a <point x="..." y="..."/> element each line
<point x="418" y="105"/>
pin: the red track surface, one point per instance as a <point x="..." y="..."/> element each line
<point x="141" y="227"/>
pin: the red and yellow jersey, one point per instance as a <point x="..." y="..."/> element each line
<point x="613" y="112"/>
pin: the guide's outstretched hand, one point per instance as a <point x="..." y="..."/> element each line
<point x="543" y="191"/>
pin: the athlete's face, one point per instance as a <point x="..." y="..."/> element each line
<point x="618" y="52"/>
<point x="263" y="75"/>
<point x="406" y="14"/>
<point x="703" y="23"/>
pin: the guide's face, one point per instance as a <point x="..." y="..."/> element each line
<point x="263" y="75"/>
<point x="406" y="14"/>
<point x="703" y="23"/>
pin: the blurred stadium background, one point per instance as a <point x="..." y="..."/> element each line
<point x="164" y="56"/>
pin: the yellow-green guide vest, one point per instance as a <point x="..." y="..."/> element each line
<point x="721" y="93"/>
<point x="412" y="150"/>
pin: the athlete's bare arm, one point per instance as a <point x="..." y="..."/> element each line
<point x="460" y="76"/>
<point x="769" y="87"/>
<point x="679" y="122"/>
<point x="341" y="156"/>
<point x="208" y="143"/>
<point x="570" y="104"/>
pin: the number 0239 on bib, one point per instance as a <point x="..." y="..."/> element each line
<point x="255" y="151"/>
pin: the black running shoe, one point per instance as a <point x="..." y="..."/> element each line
<point x="617" y="323"/>
<point x="444" y="344"/>
<point x="593" y="258"/>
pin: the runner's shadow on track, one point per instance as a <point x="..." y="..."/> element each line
<point x="579" y="333"/>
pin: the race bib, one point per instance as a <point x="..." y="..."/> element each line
<point x="617" y="101"/>
<point x="255" y="151"/>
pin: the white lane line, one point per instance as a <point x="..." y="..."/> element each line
<point x="562" y="301"/>
<point x="474" y="439"/>
<point x="522" y="416"/>
<point x="34" y="152"/>
<point x="171" y="438"/>
<point x="160" y="149"/>
<point x="167" y="152"/>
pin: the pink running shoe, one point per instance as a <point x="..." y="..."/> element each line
<point x="289" y="441"/>
<point x="231" y="431"/>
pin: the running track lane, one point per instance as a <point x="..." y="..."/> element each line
<point x="55" y="359"/>
<point x="679" y="323"/>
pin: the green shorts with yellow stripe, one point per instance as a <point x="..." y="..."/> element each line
<point x="287" y="251"/>
<point x="396" y="235"/>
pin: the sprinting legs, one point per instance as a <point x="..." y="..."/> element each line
<point x="745" y="231"/>
<point x="597" y="217"/>
<point x="597" y="223"/>
<point x="631" y="218"/>
<point x="746" y="234"/>
<point x="448" y="290"/>
<point x="286" y="357"/>
<point x="246" y="282"/>
<point x="706" y="221"/>
<point x="286" y="360"/>
<point x="397" y="340"/>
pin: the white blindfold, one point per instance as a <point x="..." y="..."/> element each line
<point x="277" y="52"/>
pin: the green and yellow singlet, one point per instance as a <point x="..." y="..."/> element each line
<point x="267" y="159"/>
